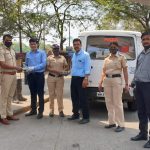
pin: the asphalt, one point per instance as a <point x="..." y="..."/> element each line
<point x="60" y="134"/>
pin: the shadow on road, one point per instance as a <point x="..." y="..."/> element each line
<point x="98" y="110"/>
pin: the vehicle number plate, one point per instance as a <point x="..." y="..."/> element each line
<point x="100" y="94"/>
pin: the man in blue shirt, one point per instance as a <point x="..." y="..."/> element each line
<point x="81" y="66"/>
<point x="35" y="64"/>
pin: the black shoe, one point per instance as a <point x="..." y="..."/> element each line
<point x="73" y="117"/>
<point x="147" y="145"/>
<point x="84" y="121"/>
<point x="110" y="126"/>
<point x="61" y="114"/>
<point x="139" y="137"/>
<point x="51" y="114"/>
<point x="31" y="113"/>
<point x="40" y="116"/>
<point x="22" y="99"/>
<point x="119" y="129"/>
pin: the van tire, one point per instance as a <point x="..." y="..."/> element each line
<point x="132" y="106"/>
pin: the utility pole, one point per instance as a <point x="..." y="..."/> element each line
<point x="19" y="21"/>
<point x="44" y="25"/>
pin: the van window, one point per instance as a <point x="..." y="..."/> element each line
<point x="97" y="46"/>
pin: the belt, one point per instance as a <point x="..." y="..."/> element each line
<point x="10" y="73"/>
<point x="77" y="77"/>
<point x="55" y="75"/>
<point x="113" y="75"/>
<point x="37" y="73"/>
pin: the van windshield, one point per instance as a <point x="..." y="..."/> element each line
<point x="97" y="46"/>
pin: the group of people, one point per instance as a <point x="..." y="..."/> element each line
<point x="36" y="63"/>
<point x="114" y="64"/>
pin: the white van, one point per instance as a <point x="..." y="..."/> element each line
<point x="96" y="44"/>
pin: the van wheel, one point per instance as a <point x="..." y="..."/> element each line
<point x="132" y="106"/>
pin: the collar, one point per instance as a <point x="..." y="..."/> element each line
<point x="6" y="47"/>
<point x="117" y="55"/>
<point x="79" y="52"/>
<point x="56" y="57"/>
<point x="37" y="51"/>
<point x="146" y="52"/>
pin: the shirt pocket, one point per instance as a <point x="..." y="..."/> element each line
<point x="29" y="61"/>
<point x="117" y="64"/>
<point x="8" y="56"/>
<point x="52" y="63"/>
<point x="61" y="64"/>
<point x="80" y="63"/>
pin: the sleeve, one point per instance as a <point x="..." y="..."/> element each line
<point x="2" y="55"/>
<point x="42" y="65"/>
<point x="87" y="66"/>
<point x="124" y="62"/>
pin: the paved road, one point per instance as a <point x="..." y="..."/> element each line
<point x="60" y="134"/>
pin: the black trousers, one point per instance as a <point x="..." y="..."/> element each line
<point x="142" y="94"/>
<point x="36" y="83"/>
<point x="79" y="97"/>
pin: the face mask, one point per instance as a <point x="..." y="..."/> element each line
<point x="8" y="44"/>
<point x="56" y="52"/>
<point x="146" y="47"/>
<point x="113" y="51"/>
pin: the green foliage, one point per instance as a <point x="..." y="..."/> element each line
<point x="16" y="47"/>
<point x="65" y="12"/>
<point x="35" y="18"/>
<point x="23" y="15"/>
<point x="133" y="16"/>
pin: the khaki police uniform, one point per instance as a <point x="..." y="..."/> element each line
<point x="56" y="82"/>
<point x="8" y="81"/>
<point x="113" y="88"/>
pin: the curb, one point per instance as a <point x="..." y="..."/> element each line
<point x="27" y="108"/>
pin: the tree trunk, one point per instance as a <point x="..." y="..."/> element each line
<point x="61" y="45"/>
<point x="61" y="39"/>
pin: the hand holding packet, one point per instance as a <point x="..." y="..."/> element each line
<point x="28" y="69"/>
<point x="131" y="89"/>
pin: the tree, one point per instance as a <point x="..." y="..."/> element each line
<point x="16" y="15"/>
<point x="37" y="17"/>
<point x="66" y="10"/>
<point x="7" y="17"/>
<point x="132" y="15"/>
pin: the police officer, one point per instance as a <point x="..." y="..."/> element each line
<point x="8" y="82"/>
<point x="113" y="88"/>
<point x="56" y="65"/>
<point x="142" y="90"/>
